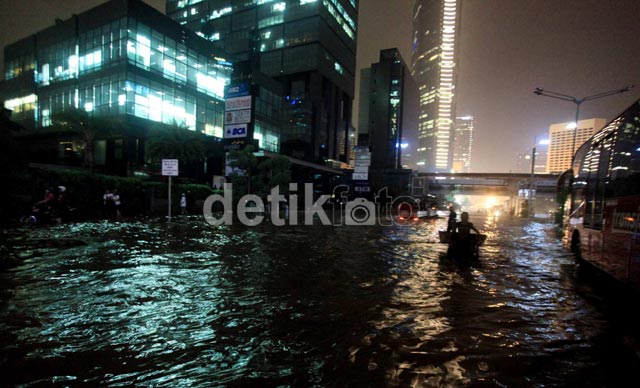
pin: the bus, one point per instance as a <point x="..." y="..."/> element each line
<point x="604" y="199"/>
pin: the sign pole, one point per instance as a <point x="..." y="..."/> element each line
<point x="169" y="168"/>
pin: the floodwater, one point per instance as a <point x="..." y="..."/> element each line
<point x="149" y="304"/>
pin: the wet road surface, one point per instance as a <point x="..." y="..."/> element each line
<point x="186" y="304"/>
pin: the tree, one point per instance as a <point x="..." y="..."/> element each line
<point x="244" y="163"/>
<point x="176" y="142"/>
<point x="258" y="177"/>
<point x="274" y="172"/>
<point x="88" y="128"/>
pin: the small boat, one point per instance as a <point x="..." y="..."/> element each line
<point x="463" y="247"/>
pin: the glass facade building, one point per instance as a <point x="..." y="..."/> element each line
<point x="120" y="58"/>
<point x="434" y="56"/>
<point x="462" y="144"/>
<point x="308" y="46"/>
<point x="387" y="85"/>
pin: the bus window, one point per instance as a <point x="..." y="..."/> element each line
<point x="625" y="171"/>
<point x="580" y="175"/>
<point x="602" y="179"/>
<point x="591" y="163"/>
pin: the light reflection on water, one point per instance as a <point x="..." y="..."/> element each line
<point x="188" y="305"/>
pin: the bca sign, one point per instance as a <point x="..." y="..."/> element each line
<point x="235" y="131"/>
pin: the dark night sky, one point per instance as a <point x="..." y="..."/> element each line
<point x="507" y="48"/>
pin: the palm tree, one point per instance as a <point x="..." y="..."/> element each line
<point x="88" y="128"/>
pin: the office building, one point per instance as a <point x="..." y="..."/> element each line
<point x="434" y="56"/>
<point x="386" y="89"/>
<point x="542" y="154"/>
<point x="120" y="59"/>
<point x="523" y="162"/>
<point x="525" y="158"/>
<point x="565" y="139"/>
<point x="462" y="144"/>
<point x="308" y="46"/>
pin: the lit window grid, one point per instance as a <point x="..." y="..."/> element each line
<point x="463" y="142"/>
<point x="446" y="85"/>
<point x="439" y="101"/>
<point x="561" y="147"/>
<point x="267" y="136"/>
<point x="140" y="46"/>
<point x="342" y="18"/>
<point x="137" y="97"/>
<point x="15" y="67"/>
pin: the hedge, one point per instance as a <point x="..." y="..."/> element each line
<point x="85" y="190"/>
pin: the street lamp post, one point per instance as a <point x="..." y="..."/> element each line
<point x="578" y="102"/>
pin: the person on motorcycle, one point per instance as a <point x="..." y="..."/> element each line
<point x="47" y="206"/>
<point x="49" y="200"/>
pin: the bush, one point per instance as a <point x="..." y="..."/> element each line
<point x="85" y="191"/>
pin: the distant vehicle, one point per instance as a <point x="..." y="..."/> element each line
<point x="604" y="199"/>
<point x="428" y="207"/>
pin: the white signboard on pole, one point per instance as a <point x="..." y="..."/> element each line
<point x="235" y="131"/>
<point x="170" y="167"/>
<point x="237" y="103"/>
<point x="360" y="176"/>
<point x="361" y="169"/>
<point x="237" y="117"/>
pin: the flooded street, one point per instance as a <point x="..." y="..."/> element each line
<point x="186" y="304"/>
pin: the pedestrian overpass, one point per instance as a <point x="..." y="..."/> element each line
<point x="509" y="192"/>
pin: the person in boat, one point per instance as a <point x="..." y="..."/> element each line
<point x="451" y="225"/>
<point x="463" y="242"/>
<point x="463" y="228"/>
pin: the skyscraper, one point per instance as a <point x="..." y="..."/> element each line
<point x="462" y="144"/>
<point x="307" y="45"/>
<point x="561" y="139"/>
<point x="542" y="153"/>
<point x="389" y="81"/>
<point x="525" y="158"/>
<point x="434" y="55"/>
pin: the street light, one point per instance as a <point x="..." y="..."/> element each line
<point x="578" y="102"/>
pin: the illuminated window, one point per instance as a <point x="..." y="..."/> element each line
<point x="22" y="104"/>
<point x="219" y="12"/>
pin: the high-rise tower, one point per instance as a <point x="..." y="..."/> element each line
<point x="462" y="144"/>
<point x="434" y="56"/>
<point x="309" y="46"/>
<point x="386" y="86"/>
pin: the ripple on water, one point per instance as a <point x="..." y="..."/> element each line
<point x="146" y="303"/>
